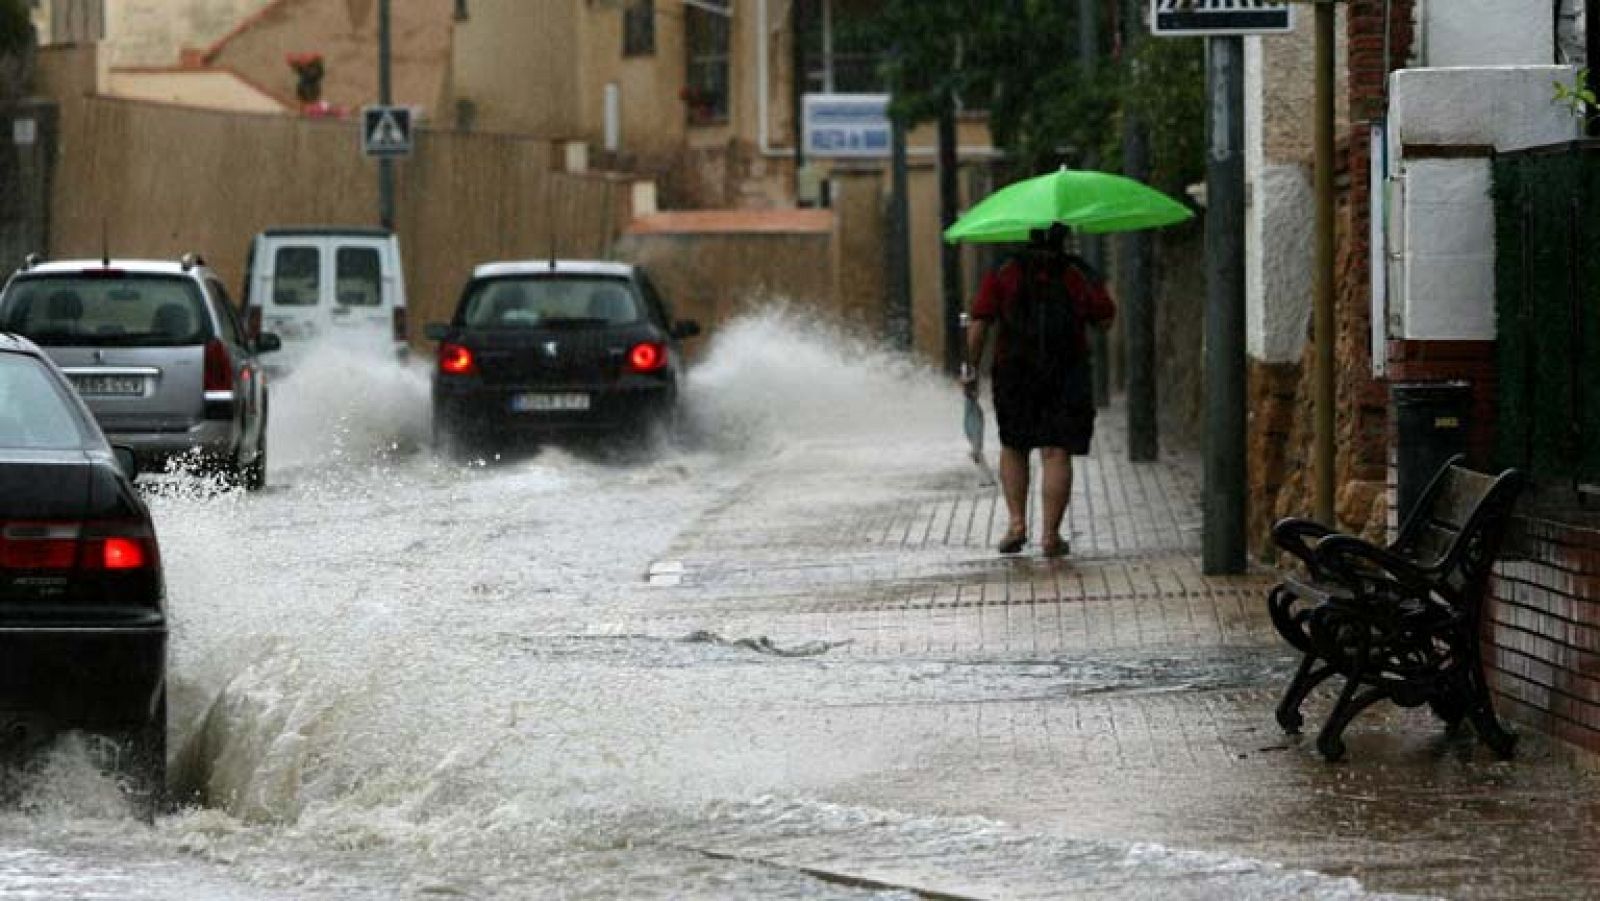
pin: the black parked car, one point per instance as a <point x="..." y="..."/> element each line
<point x="555" y="348"/>
<point x="83" y="631"/>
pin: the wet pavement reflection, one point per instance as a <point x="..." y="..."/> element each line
<point x="774" y="659"/>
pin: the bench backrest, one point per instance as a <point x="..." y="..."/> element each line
<point x="1456" y="527"/>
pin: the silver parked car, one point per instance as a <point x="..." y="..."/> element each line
<point x="158" y="352"/>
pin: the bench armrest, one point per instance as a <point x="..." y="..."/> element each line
<point x="1298" y="536"/>
<point x="1358" y="563"/>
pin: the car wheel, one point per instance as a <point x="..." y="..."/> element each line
<point x="449" y="441"/>
<point x="143" y="763"/>
<point x="254" y="473"/>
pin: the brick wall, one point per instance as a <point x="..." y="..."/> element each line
<point x="1445" y="361"/>
<point x="1542" y="628"/>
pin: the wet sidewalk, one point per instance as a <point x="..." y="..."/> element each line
<point x="1119" y="695"/>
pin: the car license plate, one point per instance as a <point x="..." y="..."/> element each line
<point x="549" y="403"/>
<point x="109" y="385"/>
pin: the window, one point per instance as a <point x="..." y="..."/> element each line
<point x="230" y="319"/>
<point x="705" y="95"/>
<point x="297" y="277"/>
<point x="357" y="277"/>
<point x="101" y="311"/>
<point x="34" y="411"/>
<point x="550" y="302"/>
<point x="639" y="28"/>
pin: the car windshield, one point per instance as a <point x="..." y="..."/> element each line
<point x="35" y="411"/>
<point x="549" y="301"/>
<point x="120" y="310"/>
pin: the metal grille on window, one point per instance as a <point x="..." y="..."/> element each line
<point x="705" y="95"/>
<point x="639" y="28"/>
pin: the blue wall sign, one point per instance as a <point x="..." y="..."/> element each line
<point x="846" y="125"/>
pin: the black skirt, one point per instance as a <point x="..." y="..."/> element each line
<point x="1045" y="410"/>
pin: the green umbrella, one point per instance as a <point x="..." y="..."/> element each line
<point x="1088" y="202"/>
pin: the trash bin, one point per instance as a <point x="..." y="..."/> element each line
<point x="1431" y="425"/>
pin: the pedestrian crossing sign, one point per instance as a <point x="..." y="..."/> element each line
<point x="386" y="131"/>
<point x="1193" y="18"/>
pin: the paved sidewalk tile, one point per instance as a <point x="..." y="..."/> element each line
<point x="1119" y="693"/>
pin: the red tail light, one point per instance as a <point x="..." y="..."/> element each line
<point x="122" y="553"/>
<point x="647" y="356"/>
<point x="219" y="367"/>
<point x="58" y="546"/>
<point x="400" y="324"/>
<point x="456" y="360"/>
<point x="39" y="546"/>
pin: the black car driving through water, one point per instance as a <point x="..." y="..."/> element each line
<point x="83" y="631"/>
<point x="552" y="349"/>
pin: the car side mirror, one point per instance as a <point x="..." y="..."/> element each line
<point x="126" y="461"/>
<point x="685" y="328"/>
<point x="268" y="342"/>
<point x="436" y="331"/>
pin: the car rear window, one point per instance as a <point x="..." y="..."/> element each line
<point x="35" y="411"/>
<point x="549" y="301"/>
<point x="106" y="311"/>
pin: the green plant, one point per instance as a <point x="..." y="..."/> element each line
<point x="1578" y="97"/>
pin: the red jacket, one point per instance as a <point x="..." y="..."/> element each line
<point x="1000" y="290"/>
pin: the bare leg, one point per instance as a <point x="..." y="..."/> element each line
<point x="1057" y="485"/>
<point x="1014" y="486"/>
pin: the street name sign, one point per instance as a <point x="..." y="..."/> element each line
<point x="386" y="131"/>
<point x="1199" y="18"/>
<point x="845" y="125"/>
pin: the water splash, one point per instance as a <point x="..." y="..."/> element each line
<point x="348" y="401"/>
<point x="778" y="374"/>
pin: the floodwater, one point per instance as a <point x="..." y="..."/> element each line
<point x="393" y="676"/>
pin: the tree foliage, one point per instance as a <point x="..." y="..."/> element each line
<point x="16" y="28"/>
<point x="1018" y="59"/>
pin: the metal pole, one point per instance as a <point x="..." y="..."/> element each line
<point x="1591" y="56"/>
<point x="898" y="314"/>
<point x="797" y="83"/>
<point x="1224" y="501"/>
<point x="950" y="254"/>
<point x="385" y="165"/>
<point x="1093" y="247"/>
<point x="1323" y="330"/>
<point x="1138" y="292"/>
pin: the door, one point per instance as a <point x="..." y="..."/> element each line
<point x="290" y="291"/>
<point x="360" y="291"/>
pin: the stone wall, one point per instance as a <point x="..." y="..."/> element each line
<point x="1281" y="487"/>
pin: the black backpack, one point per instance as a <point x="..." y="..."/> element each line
<point x="1042" y="326"/>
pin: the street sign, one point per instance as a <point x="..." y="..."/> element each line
<point x="386" y="131"/>
<point x="845" y="125"/>
<point x="1197" y="18"/>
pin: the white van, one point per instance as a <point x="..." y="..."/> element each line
<point x="326" y="283"/>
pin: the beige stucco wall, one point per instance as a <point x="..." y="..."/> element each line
<point x="712" y="278"/>
<point x="345" y="32"/>
<point x="1284" y="81"/>
<point x="518" y="62"/>
<point x="652" y="114"/>
<point x="204" y="89"/>
<point x="154" y="32"/>
<point x="858" y="202"/>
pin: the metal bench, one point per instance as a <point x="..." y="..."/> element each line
<point x="1399" y="622"/>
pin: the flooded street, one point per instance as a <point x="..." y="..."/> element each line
<point x="726" y="668"/>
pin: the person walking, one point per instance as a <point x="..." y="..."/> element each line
<point x="1040" y="302"/>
